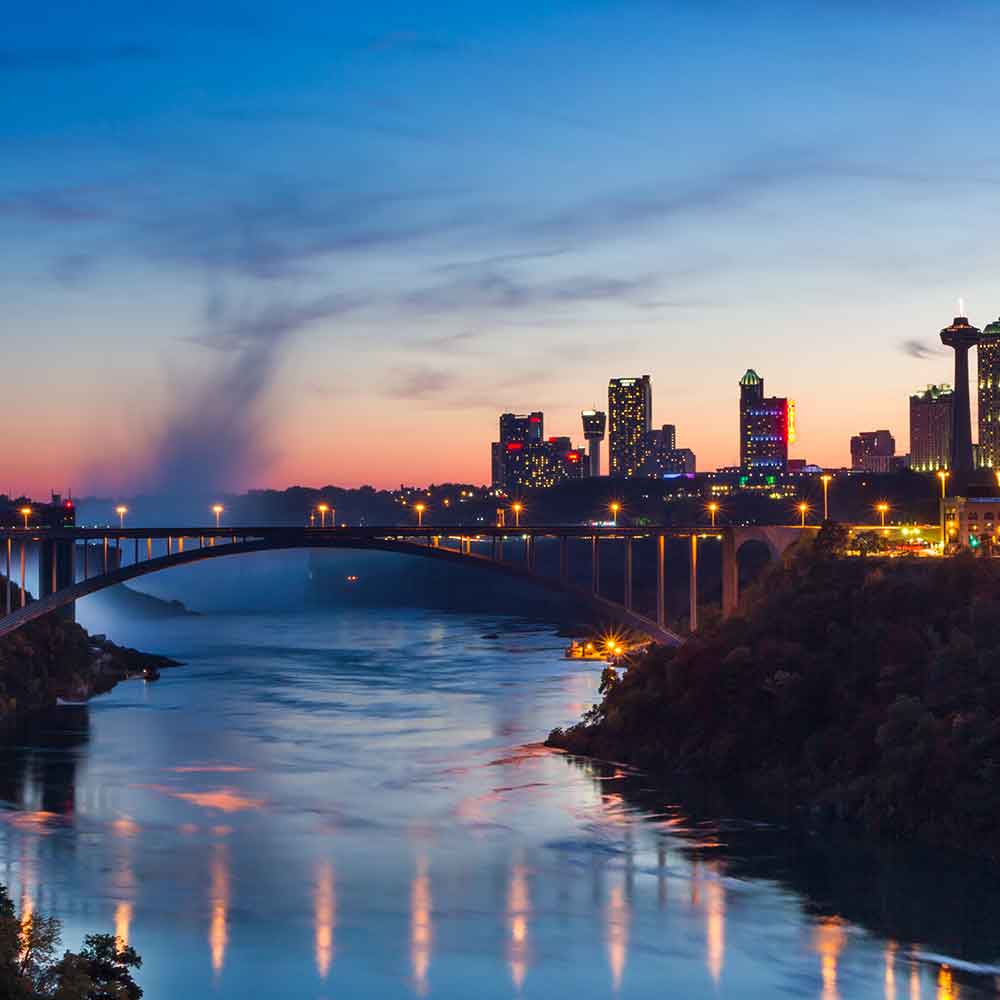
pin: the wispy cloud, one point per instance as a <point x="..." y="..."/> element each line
<point x="920" y="350"/>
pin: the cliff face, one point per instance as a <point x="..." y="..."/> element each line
<point x="858" y="688"/>
<point x="50" y="659"/>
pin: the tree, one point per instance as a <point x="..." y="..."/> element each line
<point x="102" y="969"/>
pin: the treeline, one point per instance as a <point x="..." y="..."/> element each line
<point x="866" y="689"/>
<point x="31" y="968"/>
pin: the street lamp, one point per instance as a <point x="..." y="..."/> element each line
<point x="713" y="509"/>
<point x="322" y="508"/>
<point x="420" y="508"/>
<point x="614" y="507"/>
<point x="121" y="510"/>
<point x="825" y="480"/>
<point x="517" y="507"/>
<point x="803" y="510"/>
<point x="217" y="510"/>
<point x="943" y="476"/>
<point x="25" y="513"/>
<point x="883" y="509"/>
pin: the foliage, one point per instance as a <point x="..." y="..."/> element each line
<point x="101" y="970"/>
<point x="863" y="688"/>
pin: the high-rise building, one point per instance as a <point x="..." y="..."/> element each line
<point x="989" y="396"/>
<point x="960" y="336"/>
<point x="630" y="410"/>
<point x="767" y="425"/>
<point x="516" y="429"/>
<point x="668" y="437"/>
<point x="873" y="451"/>
<point x="594" y="425"/>
<point x="930" y="428"/>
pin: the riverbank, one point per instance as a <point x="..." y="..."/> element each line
<point x="863" y="690"/>
<point x="51" y="660"/>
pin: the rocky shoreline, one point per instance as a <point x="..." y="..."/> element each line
<point x="51" y="661"/>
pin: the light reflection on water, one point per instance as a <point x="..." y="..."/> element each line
<point x="325" y="804"/>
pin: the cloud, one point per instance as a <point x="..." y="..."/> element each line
<point x="498" y="289"/>
<point x="56" y="206"/>
<point x="75" y="58"/>
<point x="73" y="268"/>
<point x="417" y="382"/>
<point x="918" y="349"/>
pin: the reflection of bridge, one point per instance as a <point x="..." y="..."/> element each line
<point x="75" y="562"/>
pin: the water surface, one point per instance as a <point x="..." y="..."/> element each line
<point x="351" y="803"/>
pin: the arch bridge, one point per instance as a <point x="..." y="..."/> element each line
<point x="75" y="562"/>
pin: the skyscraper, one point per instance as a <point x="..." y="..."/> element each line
<point x="765" y="427"/>
<point x="630" y="411"/>
<point x="594" y="425"/>
<point x="960" y="336"/>
<point x="508" y="458"/>
<point x="930" y="428"/>
<point x="989" y="396"/>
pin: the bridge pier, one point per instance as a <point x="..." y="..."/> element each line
<point x="661" y="597"/>
<point x="24" y="598"/>
<point x="530" y="552"/>
<point x="693" y="585"/>
<point x="595" y="566"/>
<point x="730" y="575"/>
<point x="628" y="573"/>
<point x="563" y="560"/>
<point x="56" y="570"/>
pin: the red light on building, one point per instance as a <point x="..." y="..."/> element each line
<point x="514" y="445"/>
<point x="535" y="420"/>
<point x="573" y="456"/>
<point x="68" y="504"/>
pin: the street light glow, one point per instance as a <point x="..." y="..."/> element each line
<point x="826" y="479"/>
<point x="420" y="508"/>
<point x="803" y="510"/>
<point x="614" y="507"/>
<point x="713" y="509"/>
<point x="883" y="509"/>
<point x="121" y="510"/>
<point x="217" y="510"/>
<point x="517" y="507"/>
<point x="26" y="513"/>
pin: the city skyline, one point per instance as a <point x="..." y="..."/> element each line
<point x="228" y="268"/>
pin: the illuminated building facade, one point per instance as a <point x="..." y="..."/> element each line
<point x="930" y="428"/>
<point x="522" y="459"/>
<point x="989" y="396"/>
<point x="517" y="430"/>
<point x="594" y="426"/>
<point x="873" y="451"/>
<point x="630" y="410"/>
<point x="767" y="425"/>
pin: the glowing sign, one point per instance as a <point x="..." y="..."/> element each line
<point x="790" y="427"/>
<point x="514" y="446"/>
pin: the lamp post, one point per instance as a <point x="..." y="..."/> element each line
<point x="217" y="510"/>
<point x="420" y="508"/>
<point x="517" y="507"/>
<point x="825" y="480"/>
<point x="25" y="513"/>
<point x="803" y="510"/>
<point x="713" y="509"/>
<point x="121" y="510"/>
<point x="943" y="479"/>
<point x="322" y="508"/>
<point x="883" y="509"/>
<point x="614" y="507"/>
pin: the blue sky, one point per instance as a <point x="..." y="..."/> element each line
<point x="248" y="245"/>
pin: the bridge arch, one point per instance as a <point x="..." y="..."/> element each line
<point x="402" y="546"/>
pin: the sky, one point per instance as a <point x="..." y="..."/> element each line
<point x="248" y="245"/>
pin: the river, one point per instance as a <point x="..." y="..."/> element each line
<point x="351" y="802"/>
